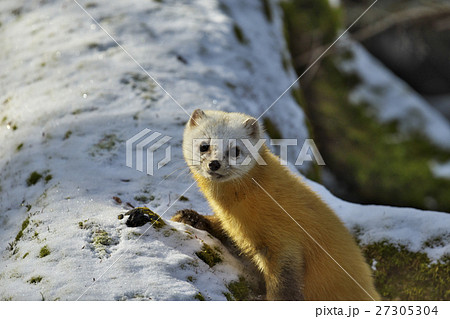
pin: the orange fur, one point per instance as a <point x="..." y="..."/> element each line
<point x="294" y="266"/>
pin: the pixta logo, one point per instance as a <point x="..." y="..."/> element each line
<point x="141" y="150"/>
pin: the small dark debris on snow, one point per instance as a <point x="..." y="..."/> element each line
<point x="117" y="200"/>
<point x="182" y="59"/>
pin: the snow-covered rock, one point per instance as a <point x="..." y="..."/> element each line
<point x="70" y="98"/>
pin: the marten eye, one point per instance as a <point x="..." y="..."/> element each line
<point x="204" y="148"/>
<point x="235" y="151"/>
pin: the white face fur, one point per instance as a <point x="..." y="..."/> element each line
<point x="214" y="144"/>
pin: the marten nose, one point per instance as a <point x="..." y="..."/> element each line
<point x="214" y="165"/>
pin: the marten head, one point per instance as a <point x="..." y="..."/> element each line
<point x="221" y="146"/>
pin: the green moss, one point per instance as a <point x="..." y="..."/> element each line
<point x="315" y="18"/>
<point x="361" y="153"/>
<point x="25" y="255"/>
<point x="267" y="10"/>
<point x="285" y="62"/>
<point x="19" y="235"/>
<point x="35" y="280"/>
<point x="374" y="163"/>
<point x="33" y="178"/>
<point x="156" y="221"/>
<point x="44" y="252"/>
<point x="108" y="142"/>
<point x="142" y="85"/>
<point x="271" y="129"/>
<point x="436" y="241"/>
<point x="48" y="178"/>
<point x="183" y="199"/>
<point x="25" y="224"/>
<point x="141" y="198"/>
<point x="169" y="232"/>
<point x="210" y="256"/>
<point x="404" y="275"/>
<point x="239" y="34"/>
<point x="101" y="238"/>
<point x="19" y="147"/>
<point x="191" y="279"/>
<point x="67" y="135"/>
<point x="239" y="290"/>
<point x="199" y="296"/>
<point x="228" y="296"/>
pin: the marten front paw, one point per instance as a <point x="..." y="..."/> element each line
<point x="192" y="218"/>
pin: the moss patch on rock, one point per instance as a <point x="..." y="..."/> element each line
<point x="33" y="178"/>
<point x="239" y="290"/>
<point x="404" y="275"/>
<point x="199" y="297"/>
<point x="141" y="198"/>
<point x="373" y="162"/>
<point x="209" y="255"/>
<point x="101" y="238"/>
<point x="35" y="280"/>
<point x="48" y="178"/>
<point x="107" y="144"/>
<point x="141" y="215"/>
<point x="368" y="157"/>
<point x="25" y="224"/>
<point x="45" y="251"/>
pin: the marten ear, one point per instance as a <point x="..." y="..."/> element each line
<point x="196" y="116"/>
<point x="252" y="127"/>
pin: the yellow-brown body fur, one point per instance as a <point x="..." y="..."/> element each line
<point x="293" y="264"/>
<point x="299" y="244"/>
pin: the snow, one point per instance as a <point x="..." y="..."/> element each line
<point x="405" y="226"/>
<point x="392" y="99"/>
<point x="75" y="97"/>
<point x="335" y="3"/>
<point x="441" y="103"/>
<point x="440" y="170"/>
